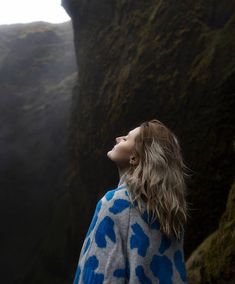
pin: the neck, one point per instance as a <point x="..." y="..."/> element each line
<point x="122" y="172"/>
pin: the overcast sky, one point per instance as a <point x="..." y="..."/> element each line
<point x="26" y="11"/>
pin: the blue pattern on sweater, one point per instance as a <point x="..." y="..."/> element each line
<point x="141" y="275"/>
<point x="178" y="259"/>
<point x="121" y="247"/>
<point x="89" y="274"/>
<point x="139" y="239"/>
<point x="161" y="267"/>
<point x="106" y="227"/>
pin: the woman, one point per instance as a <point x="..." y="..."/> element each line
<point x="137" y="231"/>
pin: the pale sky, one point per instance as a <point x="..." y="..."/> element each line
<point x="27" y="11"/>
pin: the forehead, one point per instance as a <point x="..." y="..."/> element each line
<point x="133" y="132"/>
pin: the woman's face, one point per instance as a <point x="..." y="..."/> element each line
<point x="122" y="151"/>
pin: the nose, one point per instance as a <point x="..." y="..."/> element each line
<point x="117" y="139"/>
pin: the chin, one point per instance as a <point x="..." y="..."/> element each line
<point x="110" y="155"/>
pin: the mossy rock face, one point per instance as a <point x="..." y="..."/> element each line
<point x="213" y="261"/>
<point x="137" y="60"/>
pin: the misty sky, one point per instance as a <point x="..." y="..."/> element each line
<point x="26" y="11"/>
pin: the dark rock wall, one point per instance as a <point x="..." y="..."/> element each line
<point x="37" y="72"/>
<point x="213" y="261"/>
<point x="142" y="59"/>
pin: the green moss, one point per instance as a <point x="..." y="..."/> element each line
<point x="215" y="43"/>
<point x="212" y="261"/>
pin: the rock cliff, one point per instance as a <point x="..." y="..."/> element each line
<point x="142" y="59"/>
<point x="37" y="72"/>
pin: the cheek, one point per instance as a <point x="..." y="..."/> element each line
<point x="122" y="151"/>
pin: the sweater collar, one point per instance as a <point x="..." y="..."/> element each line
<point x="122" y="180"/>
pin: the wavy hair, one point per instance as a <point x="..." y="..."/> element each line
<point x="159" y="177"/>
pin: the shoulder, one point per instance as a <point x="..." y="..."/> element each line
<point x="116" y="193"/>
<point x="115" y="204"/>
<point x="112" y="214"/>
<point x="116" y="200"/>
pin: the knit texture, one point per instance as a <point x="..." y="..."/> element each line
<point x="121" y="247"/>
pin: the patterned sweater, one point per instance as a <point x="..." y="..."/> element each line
<point x="120" y="247"/>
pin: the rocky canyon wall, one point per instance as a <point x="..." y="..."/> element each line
<point x="137" y="60"/>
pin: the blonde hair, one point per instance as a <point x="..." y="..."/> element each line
<point x="159" y="177"/>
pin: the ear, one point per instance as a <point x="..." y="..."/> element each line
<point x="133" y="160"/>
